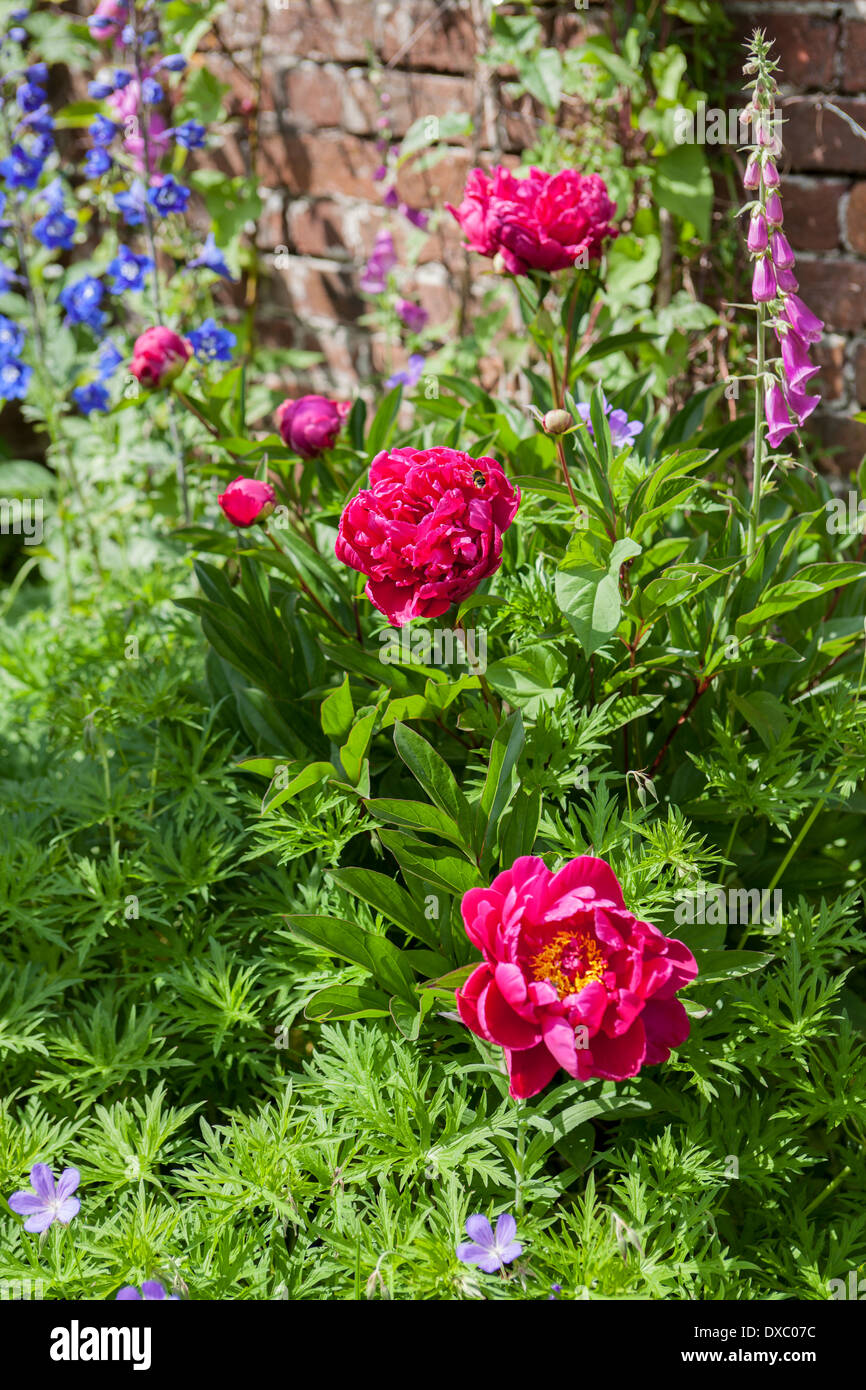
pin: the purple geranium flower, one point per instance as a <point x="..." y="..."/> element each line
<point x="488" y="1249"/>
<point x="414" y="316"/>
<point x="51" y="1201"/>
<point x="151" y="1292"/>
<point x="411" y="375"/>
<point x="622" y="429"/>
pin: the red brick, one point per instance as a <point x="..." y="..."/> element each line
<point x="855" y="218"/>
<point x="416" y="35"/>
<point x="812" y="212"/>
<point x="837" y="289"/>
<point x="320" y="164"/>
<point x="443" y="183"/>
<point x="819" y="139"/>
<point x="859" y="362"/>
<point x="331" y="96"/>
<point x="804" y="44"/>
<point x="335" y="30"/>
<point x="841" y="443"/>
<point x="323" y="291"/>
<point x="854" y="56"/>
<point x="830" y="382"/>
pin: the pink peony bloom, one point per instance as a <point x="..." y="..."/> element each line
<point x="310" y="425"/>
<point x="801" y="318"/>
<point x="570" y="977"/>
<point x="763" y="281"/>
<point x="541" y="222"/>
<point x="247" y="501"/>
<point x="158" y="356"/>
<point x="427" y="530"/>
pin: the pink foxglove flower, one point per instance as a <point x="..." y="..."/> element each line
<point x="757" y="239"/>
<point x="764" y="281"/>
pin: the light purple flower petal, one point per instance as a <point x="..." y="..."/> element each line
<point x="67" y="1182"/>
<point x="474" y="1255"/>
<point x="152" y="1289"/>
<point x="127" y="1293"/>
<point x="479" y="1229"/>
<point x="510" y="1252"/>
<point x="66" y="1210"/>
<point x="42" y="1179"/>
<point x="25" y="1203"/>
<point x="506" y="1229"/>
<point x="40" y="1222"/>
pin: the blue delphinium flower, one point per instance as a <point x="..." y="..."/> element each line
<point x="211" y="257"/>
<point x="8" y="278"/>
<point x="98" y="91"/>
<point x="488" y="1250"/>
<point x="50" y="1201"/>
<point x="92" y="397"/>
<point x="19" y="169"/>
<point x="11" y="339"/>
<point x="81" y="301"/>
<point x="108" y="360"/>
<point x="168" y="196"/>
<point x="37" y="72"/>
<point x="174" y="62"/>
<point x="122" y="79"/>
<point x="190" y="134"/>
<point x="30" y="96"/>
<point x="411" y="375"/>
<point x="210" y="343"/>
<point x="96" y="163"/>
<point x="130" y="204"/>
<point x="18" y="35"/>
<point x="101" y="130"/>
<point x="52" y="195"/>
<point x="128" y="271"/>
<point x="151" y="1290"/>
<point x="14" y="383"/>
<point x="151" y="92"/>
<point x="55" y="230"/>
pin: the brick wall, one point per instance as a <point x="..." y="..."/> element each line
<point x="317" y="156"/>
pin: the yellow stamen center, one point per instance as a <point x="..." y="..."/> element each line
<point x="570" y="961"/>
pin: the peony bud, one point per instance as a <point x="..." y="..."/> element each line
<point x="310" y="425"/>
<point x="158" y="356"/>
<point x="557" y="421"/>
<point x="246" y="501"/>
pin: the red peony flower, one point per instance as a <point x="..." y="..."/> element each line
<point x="246" y="501"/>
<point x="158" y="356"/>
<point x="541" y="222"/>
<point x="427" y="530"/>
<point x="570" y="977"/>
<point x="310" y="425"/>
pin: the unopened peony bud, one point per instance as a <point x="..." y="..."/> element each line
<point x="246" y="501"/>
<point x="557" y="421"/>
<point x="158" y="356"/>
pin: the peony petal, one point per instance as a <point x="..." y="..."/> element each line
<point x="667" y="1026"/>
<point x="529" y="1071"/>
<point x="502" y="1025"/>
<point x="618" y="1058"/>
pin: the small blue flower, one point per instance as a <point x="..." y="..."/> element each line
<point x="411" y="375"/>
<point x="41" y="121"/>
<point x="210" y="343"/>
<point x="168" y="196"/>
<point x="81" y="301"/>
<point x="52" y="195"/>
<point x="37" y="72"/>
<point x="487" y="1250"/>
<point x="151" y="92"/>
<point x="122" y="79"/>
<point x="14" y="380"/>
<point x="11" y="339"/>
<point x="19" y="169"/>
<point x="128" y="271"/>
<point x="91" y="397"/>
<point x="130" y="204"/>
<point x="55" y="230"/>
<point x="127" y="35"/>
<point x="191" y="134"/>
<point x="212" y="258"/>
<point x="40" y="148"/>
<point x="18" y="35"/>
<point x="108" y="360"/>
<point x="173" y="62"/>
<point x="102" y="131"/>
<point x="8" y="278"/>
<point x="98" y="91"/>
<point x="29" y="96"/>
<point x="97" y="163"/>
